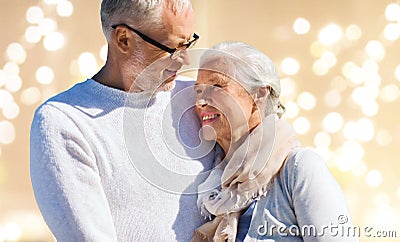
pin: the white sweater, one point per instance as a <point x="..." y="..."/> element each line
<point x="107" y="165"/>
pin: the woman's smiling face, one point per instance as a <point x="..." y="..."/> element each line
<point x="224" y="105"/>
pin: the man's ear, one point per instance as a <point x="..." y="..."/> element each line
<point x="122" y="38"/>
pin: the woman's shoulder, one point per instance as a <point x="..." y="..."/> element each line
<point x="303" y="158"/>
<point x="302" y="164"/>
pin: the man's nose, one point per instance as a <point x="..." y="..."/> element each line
<point x="183" y="57"/>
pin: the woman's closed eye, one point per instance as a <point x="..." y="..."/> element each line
<point x="217" y="86"/>
<point x="198" y="90"/>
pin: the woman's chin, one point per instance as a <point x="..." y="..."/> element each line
<point x="208" y="133"/>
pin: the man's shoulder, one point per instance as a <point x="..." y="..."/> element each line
<point x="60" y="101"/>
<point x="184" y="88"/>
<point x="184" y="81"/>
<point x="67" y="94"/>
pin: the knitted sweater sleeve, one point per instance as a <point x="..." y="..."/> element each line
<point x="65" y="179"/>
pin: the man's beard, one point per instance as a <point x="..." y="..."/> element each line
<point x="153" y="78"/>
<point x="168" y="85"/>
<point x="153" y="83"/>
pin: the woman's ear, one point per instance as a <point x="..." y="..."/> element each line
<point x="260" y="97"/>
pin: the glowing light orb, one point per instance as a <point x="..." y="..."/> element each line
<point x="301" y="26"/>
<point x="366" y="130"/>
<point x="362" y="130"/>
<point x="359" y="169"/>
<point x="30" y="96"/>
<point x="11" y="110"/>
<point x="330" y="34"/>
<point x="7" y="132"/>
<point x="288" y="86"/>
<point x="392" y="31"/>
<point x="306" y="101"/>
<point x="292" y="110"/>
<point x="349" y="155"/>
<point x="5" y="98"/>
<point x="322" y="139"/>
<point x="316" y="49"/>
<point x="65" y="8"/>
<point x="392" y="12"/>
<point x="370" y="66"/>
<point x="33" y="34"/>
<point x="390" y="93"/>
<point x="14" y="83"/>
<point x="16" y="52"/>
<point x="353" y="32"/>
<point x="301" y="125"/>
<point x="333" y="98"/>
<point x="44" y="75"/>
<point x="329" y="57"/>
<point x="47" y="26"/>
<point x="34" y="14"/>
<point x="53" y="41"/>
<point x="370" y="108"/>
<point x="290" y="66"/>
<point x="384" y="137"/>
<point x="375" y="50"/>
<point x="350" y="130"/>
<point x="320" y="67"/>
<point x="11" y="69"/>
<point x="332" y="122"/>
<point x="373" y="178"/>
<point x="87" y="64"/>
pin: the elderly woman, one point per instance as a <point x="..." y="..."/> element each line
<point x="264" y="185"/>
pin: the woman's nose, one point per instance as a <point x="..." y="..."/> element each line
<point x="201" y="102"/>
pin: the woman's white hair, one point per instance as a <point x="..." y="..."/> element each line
<point x="140" y="14"/>
<point x="245" y="64"/>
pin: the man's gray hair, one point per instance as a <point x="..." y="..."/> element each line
<point x="245" y="64"/>
<point x="140" y="14"/>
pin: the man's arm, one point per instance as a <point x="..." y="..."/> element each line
<point x="65" y="179"/>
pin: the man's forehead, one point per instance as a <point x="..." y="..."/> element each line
<point x="179" y="23"/>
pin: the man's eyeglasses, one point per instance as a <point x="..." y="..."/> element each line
<point x="175" y="53"/>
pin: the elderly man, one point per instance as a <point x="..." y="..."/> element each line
<point x="108" y="155"/>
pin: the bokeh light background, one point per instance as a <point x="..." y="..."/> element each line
<point x="339" y="63"/>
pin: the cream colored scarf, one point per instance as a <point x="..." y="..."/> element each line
<point x="232" y="186"/>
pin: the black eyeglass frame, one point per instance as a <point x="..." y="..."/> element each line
<point x="174" y="52"/>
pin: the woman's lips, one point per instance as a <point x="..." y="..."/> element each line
<point x="207" y="118"/>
